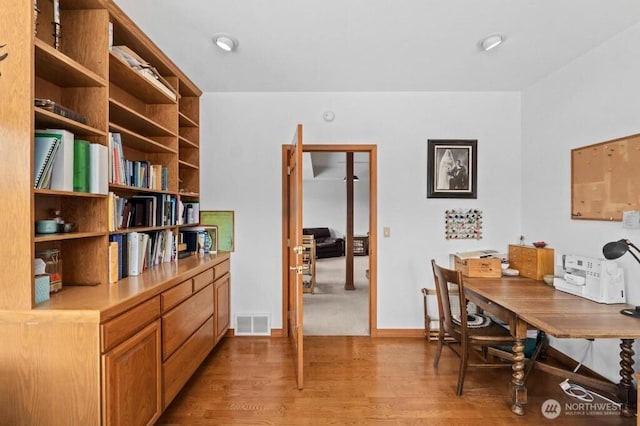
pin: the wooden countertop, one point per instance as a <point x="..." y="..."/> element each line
<point x="105" y="301"/>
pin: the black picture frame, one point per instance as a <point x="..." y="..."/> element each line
<point x="452" y="168"/>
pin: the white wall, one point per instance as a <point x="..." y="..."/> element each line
<point x="325" y="205"/>
<point x="242" y="135"/>
<point x="594" y="99"/>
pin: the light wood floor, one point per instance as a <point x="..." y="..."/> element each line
<point x="355" y="380"/>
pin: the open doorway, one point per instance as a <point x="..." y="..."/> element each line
<point x="288" y="310"/>
<point x="336" y="214"/>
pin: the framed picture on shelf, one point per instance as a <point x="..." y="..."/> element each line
<point x="452" y="168"/>
<point x="223" y="221"/>
<point x="211" y="239"/>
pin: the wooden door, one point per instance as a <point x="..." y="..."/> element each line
<point x="295" y="309"/>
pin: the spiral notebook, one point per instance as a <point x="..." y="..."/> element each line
<point x="45" y="149"/>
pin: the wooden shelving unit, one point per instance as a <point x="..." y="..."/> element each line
<point x="90" y="347"/>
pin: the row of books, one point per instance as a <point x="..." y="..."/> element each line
<point x="64" y="163"/>
<point x="133" y="253"/>
<point x="143" y="211"/>
<point x="140" y="174"/>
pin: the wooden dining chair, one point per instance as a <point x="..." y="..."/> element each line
<point x="455" y="331"/>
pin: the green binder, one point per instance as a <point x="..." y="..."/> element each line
<point x="81" y="164"/>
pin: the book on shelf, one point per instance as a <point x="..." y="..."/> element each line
<point x="111" y="211"/>
<point x="98" y="168"/>
<point x="134" y="242"/>
<point x="142" y="252"/>
<point x="81" y="164"/>
<point x="179" y="211"/>
<point x="126" y="213"/>
<point x="49" y="105"/>
<point x="144" y="210"/>
<point x="113" y="261"/>
<point x="110" y="157"/>
<point x="145" y="69"/>
<point x="46" y="146"/>
<point x="121" y="240"/>
<point x="117" y="165"/>
<point x="62" y="173"/>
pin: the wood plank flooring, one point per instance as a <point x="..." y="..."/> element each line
<point x="357" y="380"/>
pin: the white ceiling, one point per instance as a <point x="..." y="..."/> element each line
<point x="333" y="165"/>
<point x="377" y="45"/>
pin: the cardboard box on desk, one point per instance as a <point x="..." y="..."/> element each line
<point x="477" y="264"/>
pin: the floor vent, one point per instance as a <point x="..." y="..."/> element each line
<point x="253" y="325"/>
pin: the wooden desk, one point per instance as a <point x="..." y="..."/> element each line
<point x="524" y="303"/>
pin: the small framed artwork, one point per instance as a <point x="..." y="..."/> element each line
<point x="211" y="239"/>
<point x="223" y="220"/>
<point x="451" y="168"/>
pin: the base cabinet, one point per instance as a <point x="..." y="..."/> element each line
<point x="222" y="311"/>
<point x="132" y="393"/>
<point x="117" y="357"/>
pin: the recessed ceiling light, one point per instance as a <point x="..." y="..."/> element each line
<point x="492" y="41"/>
<point x="225" y="42"/>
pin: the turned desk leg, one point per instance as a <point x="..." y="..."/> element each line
<point x="518" y="390"/>
<point x="625" y="387"/>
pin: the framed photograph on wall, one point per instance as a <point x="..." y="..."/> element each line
<point x="451" y="168"/>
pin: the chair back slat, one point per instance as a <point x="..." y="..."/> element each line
<point x="451" y="298"/>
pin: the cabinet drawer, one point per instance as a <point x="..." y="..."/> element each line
<point x="180" y="323"/>
<point x="177" y="370"/>
<point x="202" y="279"/>
<point x="221" y="268"/>
<point x="125" y="325"/>
<point x="175" y="295"/>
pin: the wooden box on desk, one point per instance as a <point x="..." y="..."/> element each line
<point x="532" y="262"/>
<point x="488" y="267"/>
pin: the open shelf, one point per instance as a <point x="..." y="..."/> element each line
<point x="123" y="116"/>
<point x="131" y="81"/>
<point x="58" y="68"/>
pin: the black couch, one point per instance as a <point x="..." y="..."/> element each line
<point x="326" y="245"/>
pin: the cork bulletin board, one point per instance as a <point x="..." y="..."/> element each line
<point x="605" y="179"/>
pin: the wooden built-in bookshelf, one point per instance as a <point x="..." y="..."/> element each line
<point x="72" y="357"/>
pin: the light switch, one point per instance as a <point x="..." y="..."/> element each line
<point x="387" y="232"/>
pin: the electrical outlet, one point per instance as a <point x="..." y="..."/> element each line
<point x="387" y="232"/>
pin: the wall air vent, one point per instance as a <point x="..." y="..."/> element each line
<point x="253" y="325"/>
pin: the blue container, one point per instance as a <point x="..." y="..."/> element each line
<point x="42" y="288"/>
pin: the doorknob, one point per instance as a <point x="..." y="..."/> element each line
<point x="299" y="268"/>
<point x="298" y="249"/>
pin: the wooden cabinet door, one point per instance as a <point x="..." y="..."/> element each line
<point x="222" y="311"/>
<point x="131" y="380"/>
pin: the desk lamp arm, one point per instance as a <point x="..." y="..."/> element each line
<point x="633" y="246"/>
